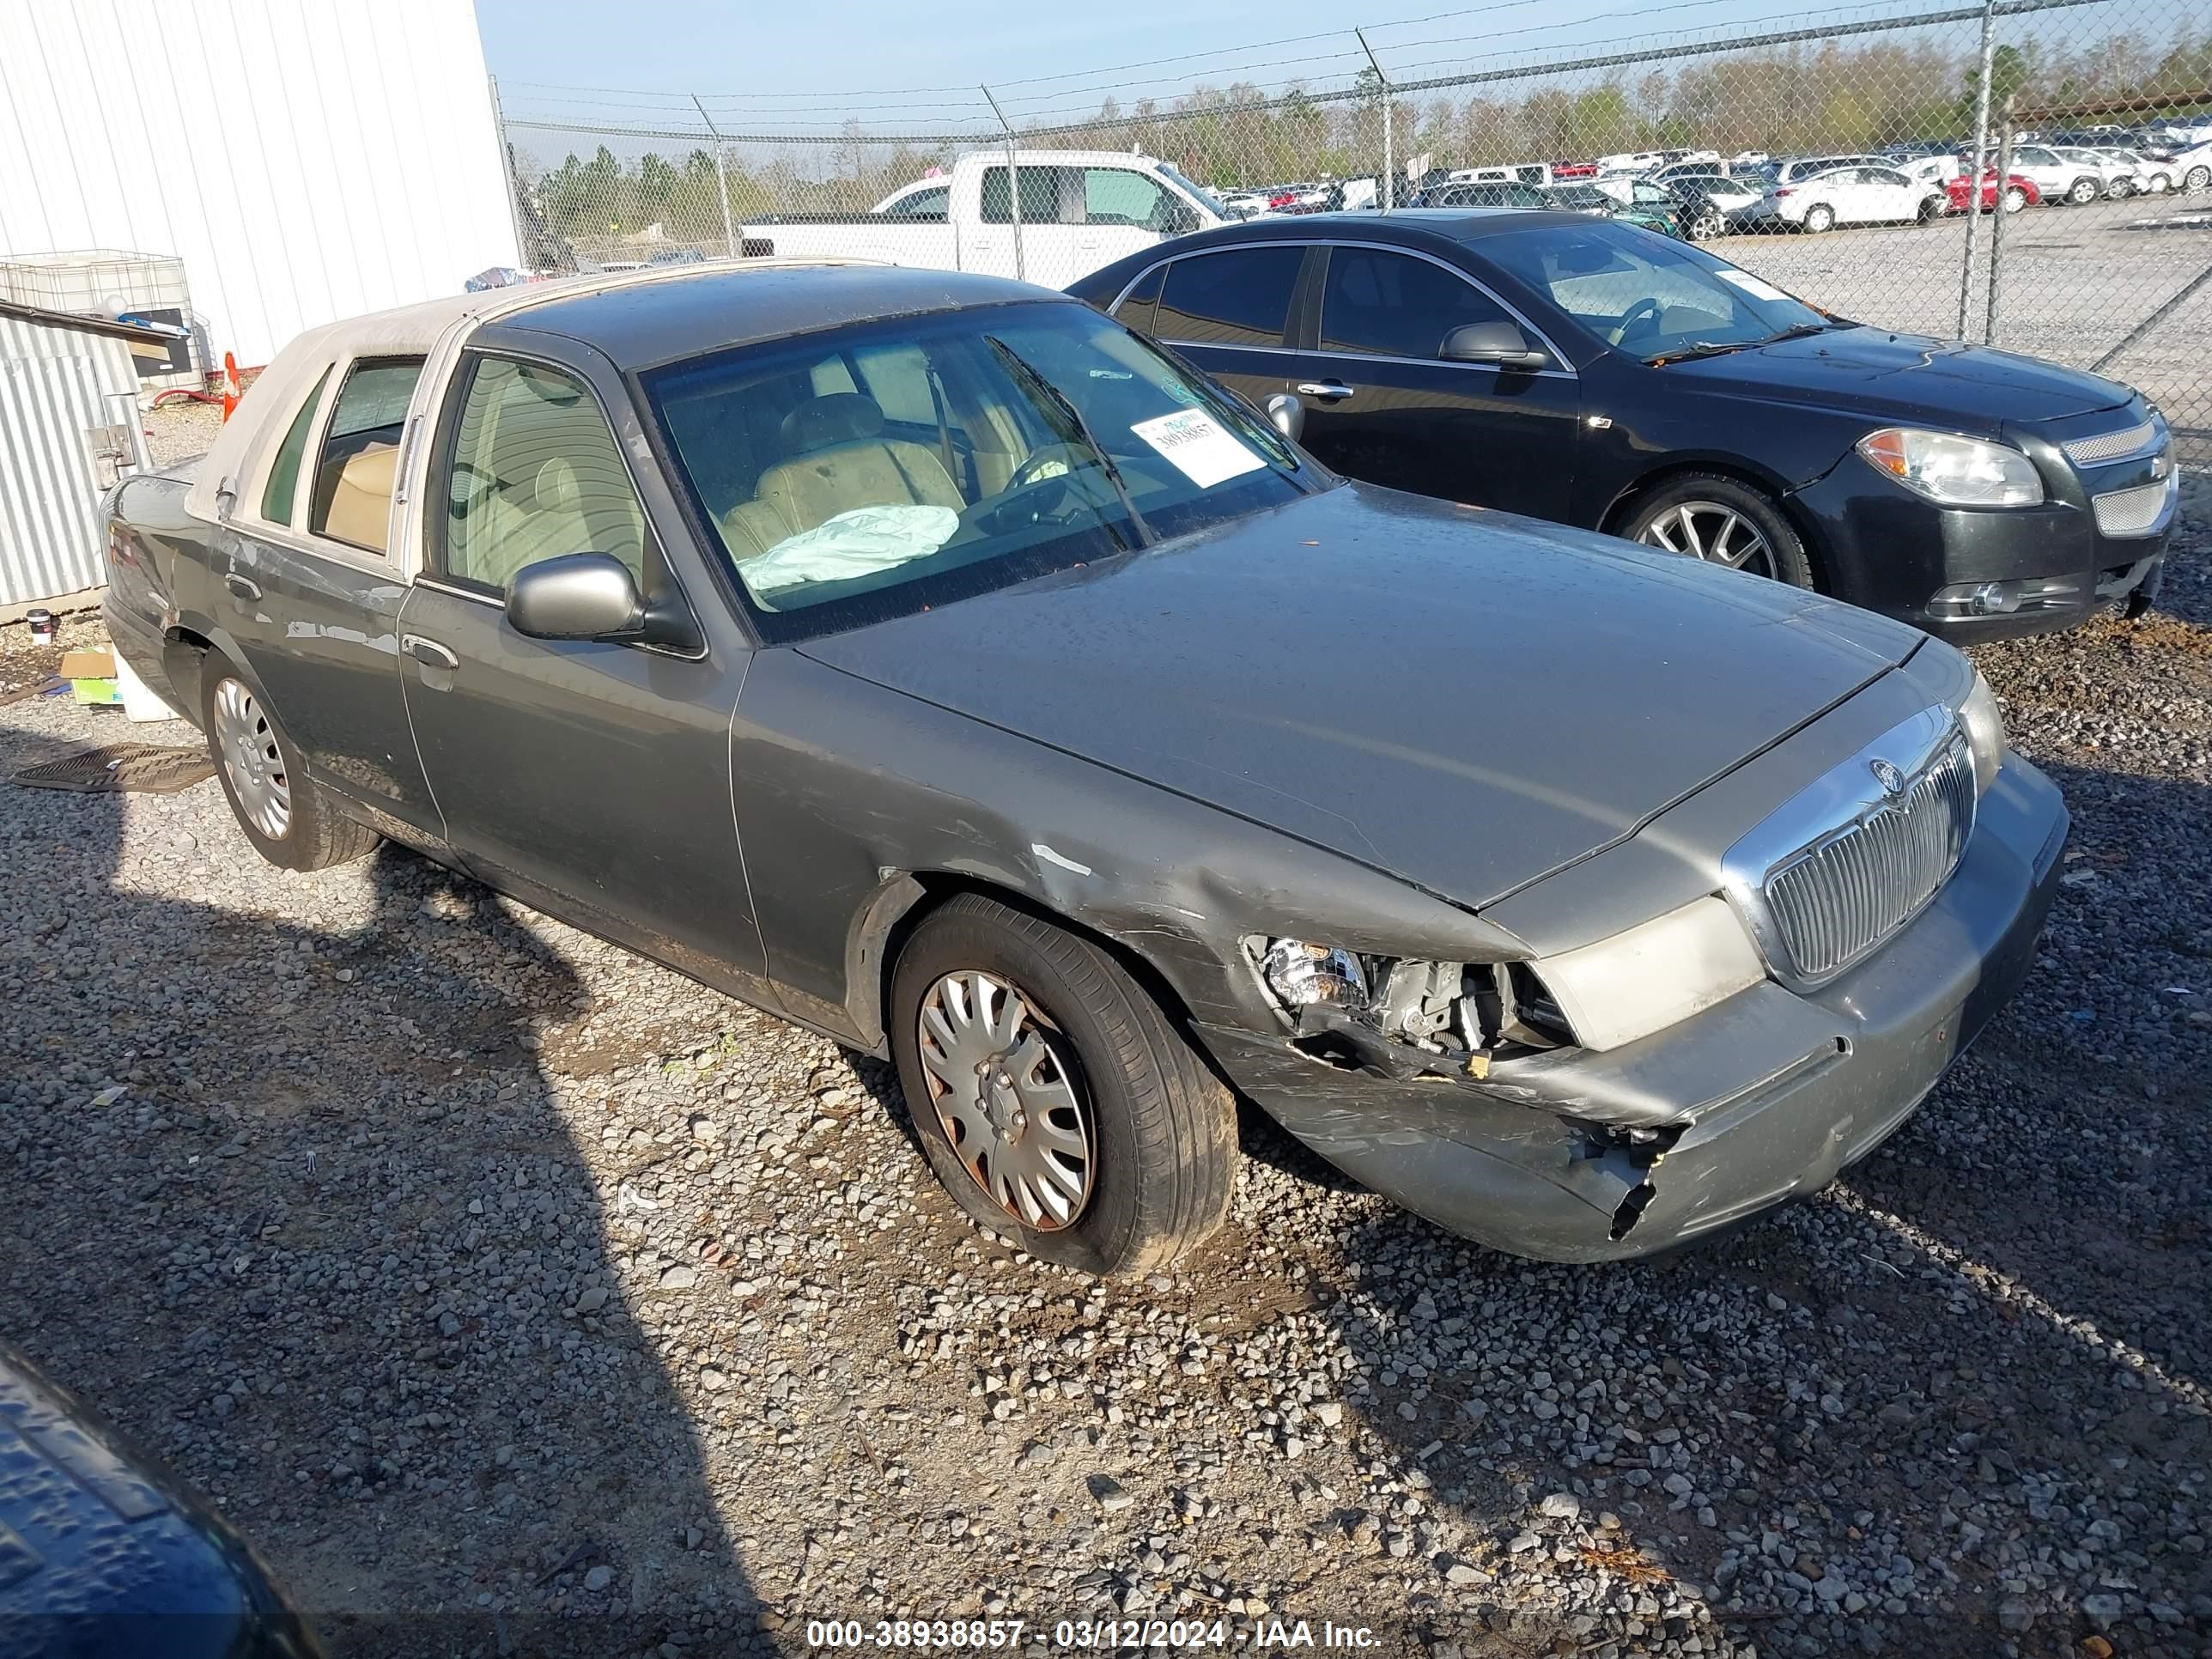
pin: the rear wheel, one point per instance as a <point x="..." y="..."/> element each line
<point x="2015" y="198"/>
<point x="2197" y="178"/>
<point x="1820" y="217"/>
<point x="1931" y="210"/>
<point x="290" y="821"/>
<point x="2157" y="184"/>
<point x="1708" y="516"/>
<point x="1051" y="1094"/>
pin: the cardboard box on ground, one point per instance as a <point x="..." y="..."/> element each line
<point x="102" y="677"/>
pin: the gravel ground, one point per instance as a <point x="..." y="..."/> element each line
<point x="519" y="1297"/>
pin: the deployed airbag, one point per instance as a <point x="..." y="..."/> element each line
<point x="859" y="542"/>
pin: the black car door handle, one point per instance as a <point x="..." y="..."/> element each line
<point x="1329" y="391"/>
<point x="428" y="653"/>
<point x="245" y="587"/>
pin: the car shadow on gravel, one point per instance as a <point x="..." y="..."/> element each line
<point x="215" y="1119"/>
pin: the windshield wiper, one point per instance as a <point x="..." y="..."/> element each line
<point x="1038" y="386"/>
<point x="1797" y="332"/>
<point x="1702" y="349"/>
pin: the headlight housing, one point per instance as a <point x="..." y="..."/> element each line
<point x="1653" y="974"/>
<point x="1957" y="471"/>
<point x="1985" y="733"/>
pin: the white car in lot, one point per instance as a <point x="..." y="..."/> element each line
<point x="2192" y="166"/>
<point x="1849" y="196"/>
<point x="2116" y="177"/>
<point x="2056" y="178"/>
<point x="2146" y="175"/>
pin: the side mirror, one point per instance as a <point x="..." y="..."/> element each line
<point x="1498" y="342"/>
<point x="577" y="596"/>
<point x="1287" y="415"/>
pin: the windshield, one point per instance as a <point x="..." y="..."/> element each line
<point x="869" y="472"/>
<point x="1581" y="196"/>
<point x="1648" y="294"/>
<point x="1199" y="193"/>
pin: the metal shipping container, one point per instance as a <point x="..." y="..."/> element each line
<point x="61" y="445"/>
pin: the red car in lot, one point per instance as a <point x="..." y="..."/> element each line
<point x="2020" y="192"/>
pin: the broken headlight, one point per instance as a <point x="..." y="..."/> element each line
<point x="1985" y="733"/>
<point x="1301" y="975"/>
<point x="1653" y="974"/>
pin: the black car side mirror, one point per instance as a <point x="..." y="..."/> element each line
<point x="593" y="596"/>
<point x="1287" y="415"/>
<point x="1498" y="342"/>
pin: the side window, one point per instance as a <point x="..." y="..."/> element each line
<point x="922" y="204"/>
<point x="353" y="475"/>
<point x="1389" y="305"/>
<point x="1121" y="196"/>
<point x="1238" y="298"/>
<point x="277" y="494"/>
<point x="1136" y="309"/>
<point x="535" y="474"/>
<point x="1046" y="195"/>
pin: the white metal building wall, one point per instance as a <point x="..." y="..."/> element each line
<point x="53" y="388"/>
<point x="308" y="159"/>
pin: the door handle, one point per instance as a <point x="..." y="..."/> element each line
<point x="428" y="653"/>
<point x="244" y="587"/>
<point x="1329" y="391"/>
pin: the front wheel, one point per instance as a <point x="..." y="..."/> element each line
<point x="2157" y="184"/>
<point x="290" y="821"/>
<point x="1931" y="208"/>
<point x="1712" y="517"/>
<point x="2015" y="198"/>
<point x="1820" y="217"/>
<point x="2197" y="178"/>
<point x="2084" y="192"/>
<point x="1051" y="1094"/>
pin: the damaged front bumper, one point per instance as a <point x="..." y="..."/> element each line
<point x="1574" y="1155"/>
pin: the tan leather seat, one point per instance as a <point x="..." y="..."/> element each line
<point x="360" y="501"/>
<point x="841" y="461"/>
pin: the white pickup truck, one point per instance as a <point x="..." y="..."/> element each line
<point x="1077" y="209"/>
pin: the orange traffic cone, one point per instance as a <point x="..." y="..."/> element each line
<point x="231" y="388"/>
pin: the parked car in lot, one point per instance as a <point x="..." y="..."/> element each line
<point x="2020" y="192"/>
<point x="1848" y="196"/>
<point x="1805" y="166"/>
<point x="929" y="659"/>
<point x="2143" y="175"/>
<point x="103" y="1552"/>
<point x="1482" y="196"/>
<point x="2191" y="166"/>
<point x="2057" y="178"/>
<point x="1597" y="374"/>
<point x="1645" y="206"/>
<point x="2116" y="177"/>
<point x="1710" y="205"/>
<point x="1077" y="209"/>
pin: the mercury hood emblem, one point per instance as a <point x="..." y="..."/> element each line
<point x="1891" y="780"/>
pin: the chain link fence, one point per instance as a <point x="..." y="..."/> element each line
<point x="1836" y="157"/>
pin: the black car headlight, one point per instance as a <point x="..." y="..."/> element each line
<point x="1953" y="470"/>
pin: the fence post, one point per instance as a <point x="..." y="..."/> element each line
<point x="1013" y="182"/>
<point x="1976" y="162"/>
<point x="1998" y="221"/>
<point x="1390" y="159"/>
<point x="513" y="179"/>
<point x="722" y="178"/>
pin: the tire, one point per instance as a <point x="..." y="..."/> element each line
<point x="2014" y="198"/>
<point x="2083" y="191"/>
<point x="1708" y="497"/>
<point x="2157" y="184"/>
<point x="1820" y="217"/>
<point x="1158" y="1131"/>
<point x="258" y="766"/>
<point x="1704" y="226"/>
<point x="1932" y="208"/>
<point x="2197" y="178"/>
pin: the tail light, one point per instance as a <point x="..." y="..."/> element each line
<point x="119" y="550"/>
<point x="1785" y="189"/>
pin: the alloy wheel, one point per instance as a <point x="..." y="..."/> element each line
<point x="1713" y="531"/>
<point x="1009" y="1097"/>
<point x="252" y="760"/>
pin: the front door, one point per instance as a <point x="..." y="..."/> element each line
<point x="1381" y="405"/>
<point x="310" y="597"/>
<point x="592" y="778"/>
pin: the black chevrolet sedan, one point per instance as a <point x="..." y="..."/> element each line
<point x="1598" y="374"/>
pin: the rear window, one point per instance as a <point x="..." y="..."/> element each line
<point x="284" y="471"/>
<point x="1240" y="297"/>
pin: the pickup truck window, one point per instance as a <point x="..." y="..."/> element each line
<point x="1054" y="437"/>
<point x="535" y="474"/>
<point x="352" y="498"/>
<point x="1239" y="297"/>
<point x="277" y="495"/>
<point x="933" y="204"/>
<point x="1043" y="190"/>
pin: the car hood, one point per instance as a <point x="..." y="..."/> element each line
<point x="1464" y="699"/>
<point x="1905" y="377"/>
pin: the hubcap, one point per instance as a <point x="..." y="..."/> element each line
<point x="1711" y="531"/>
<point x="1002" y="1087"/>
<point x="251" y="761"/>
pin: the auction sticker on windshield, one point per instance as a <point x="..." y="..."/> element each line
<point x="1755" y="286"/>
<point x="1198" y="445"/>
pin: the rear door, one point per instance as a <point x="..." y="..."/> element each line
<point x="310" y="595"/>
<point x="1229" y="311"/>
<point x="1381" y="405"/>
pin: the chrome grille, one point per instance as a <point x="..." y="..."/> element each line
<point x="1839" y="898"/>
<point x="2112" y="445"/>
<point x="2141" y="511"/>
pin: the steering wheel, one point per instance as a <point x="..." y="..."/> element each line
<point x="1050" y="461"/>
<point x="1645" y="312"/>
<point x="1036" y="492"/>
